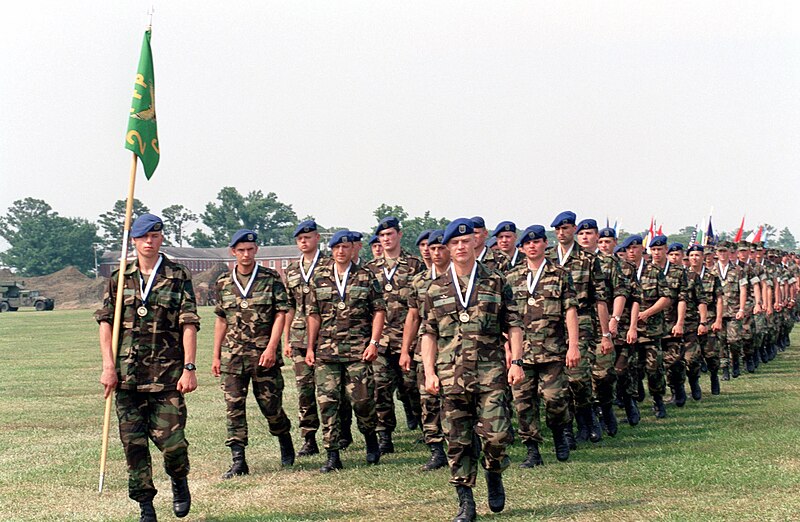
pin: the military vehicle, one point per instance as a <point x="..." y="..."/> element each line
<point x="13" y="294"/>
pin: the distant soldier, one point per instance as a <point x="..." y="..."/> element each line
<point x="422" y="245"/>
<point x="494" y="259"/>
<point x="250" y="316"/>
<point x="468" y="310"/>
<point x="752" y="304"/>
<point x="376" y="247"/>
<point x="356" y="238"/>
<point x="734" y="295"/>
<point x="345" y="308"/>
<point x="505" y="235"/>
<point x="155" y="364"/>
<point x="394" y="271"/>
<point x="545" y="297"/>
<point x="674" y="315"/>
<point x="713" y="296"/>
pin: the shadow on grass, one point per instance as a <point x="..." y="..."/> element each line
<point x="289" y="517"/>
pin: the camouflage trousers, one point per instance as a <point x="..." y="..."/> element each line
<point x="747" y="331"/>
<point x="674" y="362"/>
<point x="547" y="382"/>
<point x="604" y="375"/>
<point x="431" y="410"/>
<point x="160" y="417"/>
<point x="580" y="377"/>
<point x="336" y="382"/>
<point x="650" y="363"/>
<point x="476" y="420"/>
<point x="388" y="378"/>
<point x="306" y="396"/>
<point x="692" y="355"/>
<point x="709" y="350"/>
<point x="268" y="392"/>
<point x="730" y="341"/>
<point x="760" y="330"/>
<point x="625" y="369"/>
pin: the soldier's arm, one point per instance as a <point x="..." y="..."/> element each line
<point x="633" y="334"/>
<point x="573" y="353"/>
<point x="429" y="352"/>
<point x="269" y="355"/>
<point x="742" y="300"/>
<point x="410" y="329"/>
<point x="515" y="373"/>
<point x="757" y="297"/>
<point x="312" y="330"/>
<point x="677" y="330"/>
<point x="109" y="376"/>
<point x="378" y="320"/>
<point x="188" y="381"/>
<point x="287" y="349"/>
<point x="662" y="304"/>
<point x="220" y="330"/>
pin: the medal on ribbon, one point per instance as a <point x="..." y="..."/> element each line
<point x="144" y="290"/>
<point x="464" y="299"/>
<point x="307" y="275"/>
<point x="533" y="281"/>
<point x="341" y="285"/>
<point x="244" y="291"/>
<point x="389" y="275"/>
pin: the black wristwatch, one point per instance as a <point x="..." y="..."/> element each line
<point x="189" y="366"/>
<point x="518" y="362"/>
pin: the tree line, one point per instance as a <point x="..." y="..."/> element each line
<point x="42" y="241"/>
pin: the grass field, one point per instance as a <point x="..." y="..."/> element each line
<point x="731" y="457"/>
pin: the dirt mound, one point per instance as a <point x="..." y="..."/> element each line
<point x="70" y="288"/>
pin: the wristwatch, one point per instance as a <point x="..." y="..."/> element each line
<point x="189" y="366"/>
<point x="518" y="362"/>
<point x="616" y="318"/>
<point x="608" y="334"/>
<point x="373" y="341"/>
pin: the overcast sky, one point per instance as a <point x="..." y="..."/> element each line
<point x="512" y="110"/>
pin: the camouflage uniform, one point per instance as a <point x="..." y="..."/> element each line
<point x="708" y="343"/>
<point x="495" y="259"/>
<point x="751" y="275"/>
<point x="691" y="344"/>
<point x="388" y="374"/>
<point x="604" y="374"/>
<point x="247" y="335"/>
<point x="671" y="345"/>
<point x="545" y="348"/>
<point x="650" y="358"/>
<point x="149" y="366"/>
<point x="344" y="335"/>
<point x="470" y="364"/>
<point x="730" y="337"/>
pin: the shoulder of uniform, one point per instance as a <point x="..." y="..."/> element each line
<point x="269" y="271"/>
<point x="224" y="277"/>
<point x="176" y="270"/>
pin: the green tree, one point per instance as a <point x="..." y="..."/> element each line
<point x="113" y="222"/>
<point x="411" y="227"/>
<point x="786" y="240"/>
<point x="272" y="220"/>
<point x="43" y="242"/>
<point x="175" y="218"/>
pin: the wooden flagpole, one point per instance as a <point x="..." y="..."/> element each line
<point x="123" y="262"/>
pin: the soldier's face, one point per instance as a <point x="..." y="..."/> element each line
<point x="659" y="254"/>
<point x="743" y="255"/>
<point x="506" y="240"/>
<point x="607" y="245"/>
<point x="390" y="239"/>
<point x="462" y="249"/>
<point x="709" y="260"/>
<point x="377" y="249"/>
<point x="675" y="258"/>
<point x="534" y="249"/>
<point x="423" y="250"/>
<point x="480" y="238"/>
<point x="148" y="245"/>
<point x="307" y="242"/>
<point x="440" y="255"/>
<point x="342" y="253"/>
<point x="695" y="260"/>
<point x="565" y="234"/>
<point x="245" y="253"/>
<point x="634" y="253"/>
<point x="587" y="239"/>
<point x="724" y="256"/>
<point x="356" y="250"/>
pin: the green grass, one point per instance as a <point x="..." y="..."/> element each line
<point x="731" y="457"/>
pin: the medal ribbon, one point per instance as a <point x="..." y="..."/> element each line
<point x="389" y="275"/>
<point x="144" y="291"/>
<point x="563" y="259"/>
<point x="433" y="272"/>
<point x="514" y="258"/>
<point x="702" y="272"/>
<point x="482" y="254"/>
<point x="666" y="268"/>
<point x="470" y="286"/>
<point x="303" y="274"/>
<point x="639" y="270"/>
<point x="341" y="286"/>
<point x="534" y="280"/>
<point x="244" y="291"/>
<point x="723" y="273"/>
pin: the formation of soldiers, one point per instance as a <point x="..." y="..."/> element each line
<point x="477" y="329"/>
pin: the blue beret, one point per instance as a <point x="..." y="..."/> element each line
<point x="435" y="238"/>
<point x="505" y="226"/>
<point x="490" y="242"/>
<point x="635" y="239"/>
<point x="658" y="241"/>
<point x="423" y="236"/>
<point x="587" y="224"/>
<point x="305" y="226"/>
<point x="478" y="222"/>
<point x="695" y="248"/>
<point x="373" y="240"/>
<point x="675" y="247"/>
<point x="356" y="237"/>
<point x="531" y="233"/>
<point x="565" y="218"/>
<point x="608" y="232"/>
<point x="146" y="223"/>
<point x="245" y="235"/>
<point x="342" y="236"/>
<point x="618" y="249"/>
<point x="456" y="228"/>
<point x="387" y="223"/>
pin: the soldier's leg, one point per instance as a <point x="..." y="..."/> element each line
<point x="234" y="387"/>
<point x="385" y="381"/>
<point x="723" y="350"/>
<point x="431" y="410"/>
<point x="459" y="414"/>
<point x="604" y="375"/>
<point x="306" y="397"/>
<point x="166" y="425"/>
<point x="360" y="388"/>
<point x="692" y="357"/>
<point x="328" y="379"/>
<point x="493" y="423"/>
<point x="526" y="404"/>
<point x="580" y="377"/>
<point x="735" y="336"/>
<point x="268" y="390"/>
<point x="411" y="391"/>
<point x="654" y="368"/>
<point x="553" y="388"/>
<point x="133" y="414"/>
<point x="673" y="361"/>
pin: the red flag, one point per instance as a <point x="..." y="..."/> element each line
<point x="758" y="234"/>
<point x="659" y="233"/>
<point x="738" y="237"/>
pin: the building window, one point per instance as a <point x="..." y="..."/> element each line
<point x="272" y="263"/>
<point x="284" y="263"/>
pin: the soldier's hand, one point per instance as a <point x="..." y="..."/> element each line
<point x="432" y="384"/>
<point x="677" y="330"/>
<point x="405" y="361"/>
<point x="287" y="349"/>
<point x="717" y="326"/>
<point x="573" y="357"/>
<point x="187" y="382"/>
<point x="606" y="345"/>
<point x="740" y="315"/>
<point x="643" y="317"/>
<point x="371" y="353"/>
<point x="515" y="375"/>
<point x="613" y="326"/>
<point x="267" y="359"/>
<point x="109" y="381"/>
<point x="702" y="330"/>
<point x="633" y="336"/>
<point x="215" y="367"/>
<point x="757" y="309"/>
<point x="310" y="359"/>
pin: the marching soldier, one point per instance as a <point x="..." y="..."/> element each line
<point x="468" y="310"/>
<point x="345" y="308"/>
<point x="155" y="364"/>
<point x="712" y="290"/>
<point x="734" y="296"/>
<point x="250" y="315"/>
<point x="356" y="238"/>
<point x="422" y="245"/>
<point x="376" y="247"/>
<point x="752" y="303"/>
<point x="494" y="259"/>
<point x="505" y="236"/>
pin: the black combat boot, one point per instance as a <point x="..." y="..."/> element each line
<point x="569" y="437"/>
<point x="534" y="458"/>
<point x="694" y="385"/>
<point x="181" y="498"/>
<point x="763" y="353"/>
<point x="736" y="372"/>
<point x="714" y="383"/>
<point x="640" y="391"/>
<point x="595" y="430"/>
<point x="412" y="421"/>
<point x="438" y="458"/>
<point x="466" y="505"/>
<point x="373" y="450"/>
<point x="749" y="363"/>
<point x="386" y="444"/>
<point x="147" y="511"/>
<point x="703" y="365"/>
<point x="333" y="463"/>
<point x="632" y="411"/>
<point x="609" y="419"/>
<point x="680" y="395"/>
<point x="287" y="449"/>
<point x="560" y="441"/>
<point x="495" y="491"/>
<point x="345" y="438"/>
<point x="671" y="399"/>
<point x="582" y="424"/>
<point x="239" y="466"/>
<point x="309" y="447"/>
<point x="658" y="407"/>
<point x="726" y="374"/>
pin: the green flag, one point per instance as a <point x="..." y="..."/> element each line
<point x="142" y="137"/>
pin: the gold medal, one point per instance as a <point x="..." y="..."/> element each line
<point x="340" y="305"/>
<point x="141" y="311"/>
<point x="531" y="301"/>
<point x="306" y="289"/>
<point x="463" y="317"/>
<point x="244" y="304"/>
<point x="388" y="287"/>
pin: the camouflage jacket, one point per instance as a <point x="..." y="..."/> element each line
<point x="344" y="334"/>
<point x="654" y="286"/>
<point x="752" y="273"/>
<point x="545" y="334"/>
<point x="712" y="290"/>
<point x="471" y="355"/>
<point x="589" y="281"/>
<point x="397" y="298"/>
<point x="731" y="285"/>
<point x="616" y="281"/>
<point x="249" y="329"/>
<point x="295" y="286"/>
<point x="150" y="355"/>
<point x="514" y="263"/>
<point x="678" y="288"/>
<point x="495" y="259"/>
<point x="628" y="269"/>
<point x="695" y="297"/>
<point x="416" y="299"/>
